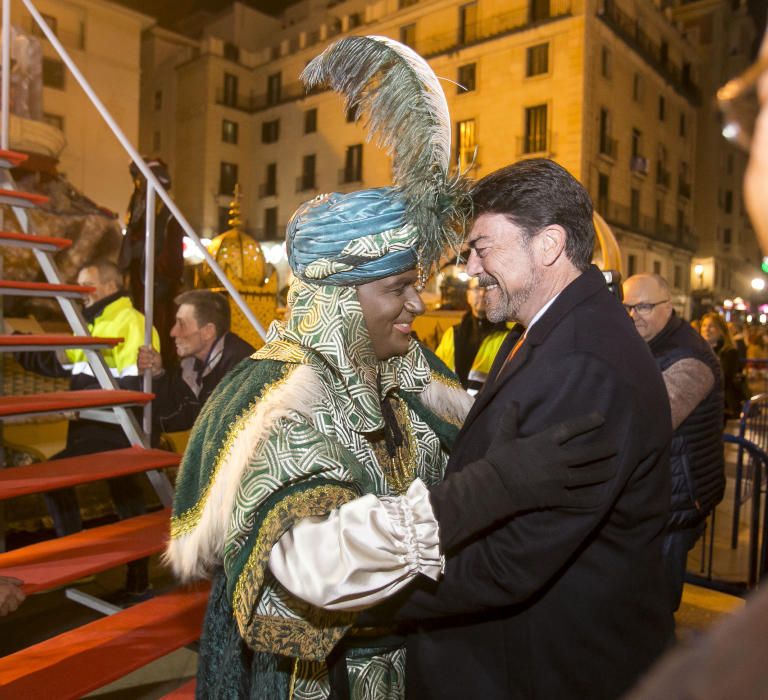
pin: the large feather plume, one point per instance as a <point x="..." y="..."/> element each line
<point x="404" y="107"/>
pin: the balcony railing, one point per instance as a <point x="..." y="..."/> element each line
<point x="306" y="182"/>
<point x="347" y="175"/>
<point x="534" y="144"/>
<point x="608" y="147"/>
<point x="639" y="164"/>
<point x="485" y="29"/>
<point x="267" y="189"/>
<point x="622" y="216"/>
<point x="628" y="29"/>
<point x="245" y="103"/>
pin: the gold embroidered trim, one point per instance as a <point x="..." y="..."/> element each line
<point x="400" y="470"/>
<point x="442" y="379"/>
<point x="314" y="634"/>
<point x="188" y="520"/>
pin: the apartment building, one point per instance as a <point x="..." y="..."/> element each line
<point x="104" y="40"/>
<point x="728" y="258"/>
<point x="608" y="88"/>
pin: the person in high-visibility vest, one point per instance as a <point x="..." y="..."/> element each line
<point x="469" y="348"/>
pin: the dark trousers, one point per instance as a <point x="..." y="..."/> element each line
<point x="677" y="544"/>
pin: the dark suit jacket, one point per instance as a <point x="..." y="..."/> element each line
<point x="558" y="604"/>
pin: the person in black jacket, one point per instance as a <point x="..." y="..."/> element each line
<point x="735" y="392"/>
<point x="207" y="350"/>
<point x="691" y="373"/>
<point x="560" y="600"/>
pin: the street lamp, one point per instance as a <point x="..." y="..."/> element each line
<point x="758" y="284"/>
<point x="699" y="270"/>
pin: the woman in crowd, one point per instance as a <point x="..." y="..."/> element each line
<point x="715" y="332"/>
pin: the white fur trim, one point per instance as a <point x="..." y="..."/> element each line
<point x="195" y="553"/>
<point x="449" y="402"/>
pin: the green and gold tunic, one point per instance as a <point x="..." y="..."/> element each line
<point x="293" y="432"/>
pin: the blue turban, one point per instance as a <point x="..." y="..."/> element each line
<point x="351" y="239"/>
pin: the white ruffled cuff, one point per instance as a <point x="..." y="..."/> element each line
<point x="362" y="552"/>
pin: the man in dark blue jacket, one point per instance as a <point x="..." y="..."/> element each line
<point x="692" y="375"/>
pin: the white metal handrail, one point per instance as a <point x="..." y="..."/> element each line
<point x="154" y="188"/>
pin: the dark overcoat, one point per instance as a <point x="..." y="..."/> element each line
<point x="563" y="603"/>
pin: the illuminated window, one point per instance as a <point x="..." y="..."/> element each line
<point x="466" y="136"/>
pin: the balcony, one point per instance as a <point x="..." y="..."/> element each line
<point x="628" y="30"/>
<point x="534" y="145"/>
<point x="256" y="103"/>
<point x="490" y="28"/>
<point x="639" y="165"/>
<point x="683" y="188"/>
<point x="267" y="189"/>
<point x="349" y="175"/>
<point x="622" y="216"/>
<point x="306" y="182"/>
<point x="608" y="147"/>
<point x="662" y="176"/>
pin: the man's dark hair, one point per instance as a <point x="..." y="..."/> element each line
<point x="537" y="193"/>
<point x="108" y="271"/>
<point x="210" y="307"/>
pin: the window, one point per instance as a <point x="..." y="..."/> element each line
<point x="637" y="141"/>
<point x="728" y="202"/>
<point x="656" y="267"/>
<point x="223" y="219"/>
<point x="605" y="62"/>
<point x="677" y="277"/>
<point x="466" y="143"/>
<point x="538" y="10"/>
<point x="156" y="141"/>
<point x="307" y="179"/>
<point x="537" y="60"/>
<point x="231" y="52"/>
<point x="662" y="108"/>
<point x="662" y="174"/>
<point x="273" y="88"/>
<point x="51" y="21"/>
<point x="468" y="23"/>
<point x="351" y="115"/>
<point x="355" y="20"/>
<point x="230" y="89"/>
<point x="466" y="78"/>
<point x="634" y="208"/>
<point x="726" y="237"/>
<point x="406" y="3"/>
<point x="53" y="73"/>
<point x="631" y="265"/>
<point x="310" y="121"/>
<point x="353" y="164"/>
<point x="270" y="184"/>
<point x="682" y="124"/>
<point x="607" y="144"/>
<point x="603" y="185"/>
<point x="55" y="120"/>
<point x="408" y="35"/>
<point x="229" y="131"/>
<point x="270" y="222"/>
<point x="227" y="178"/>
<point x="637" y="88"/>
<point x="535" y="139"/>
<point x="270" y="131"/>
<point x="659" y="213"/>
<point x="158" y="99"/>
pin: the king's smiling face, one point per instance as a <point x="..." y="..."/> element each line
<point x="503" y="261"/>
<point x="389" y="307"/>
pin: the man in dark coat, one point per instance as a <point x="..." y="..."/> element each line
<point x="694" y="383"/>
<point x="207" y="350"/>
<point x="563" y="602"/>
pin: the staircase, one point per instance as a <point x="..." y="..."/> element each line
<point x="97" y="653"/>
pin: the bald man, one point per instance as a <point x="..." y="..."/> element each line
<point x="692" y="376"/>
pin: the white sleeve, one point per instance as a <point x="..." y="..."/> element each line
<point x="362" y="552"/>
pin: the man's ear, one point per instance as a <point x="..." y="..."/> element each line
<point x="551" y="244"/>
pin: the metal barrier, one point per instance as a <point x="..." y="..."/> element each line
<point x="754" y="462"/>
<point x="753" y="427"/>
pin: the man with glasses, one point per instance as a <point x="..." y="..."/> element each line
<point x="694" y="384"/>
